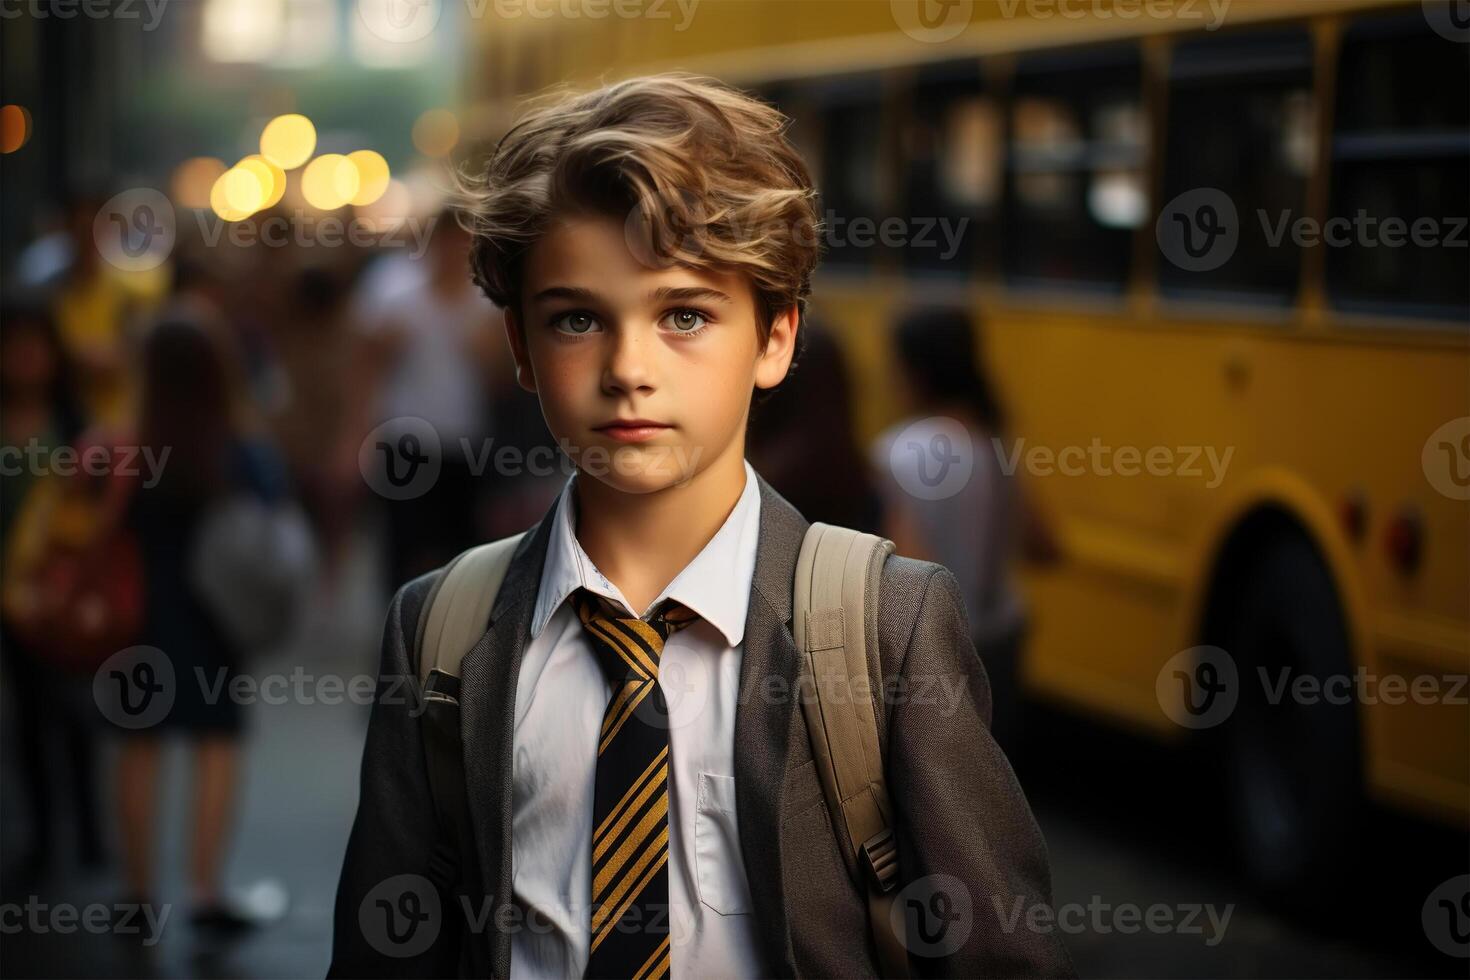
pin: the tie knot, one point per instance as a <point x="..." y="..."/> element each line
<point x="628" y="646"/>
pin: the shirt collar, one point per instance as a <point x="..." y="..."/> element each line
<point x="716" y="584"/>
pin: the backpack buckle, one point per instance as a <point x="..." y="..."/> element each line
<point x="880" y="859"/>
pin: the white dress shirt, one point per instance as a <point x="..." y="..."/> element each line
<point x="561" y="694"/>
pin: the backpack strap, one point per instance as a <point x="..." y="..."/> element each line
<point x="451" y="622"/>
<point x="835" y="624"/>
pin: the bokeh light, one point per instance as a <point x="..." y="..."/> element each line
<point x="271" y="177"/>
<point x="329" y="182"/>
<point x="194" y="179"/>
<point x="15" y="127"/>
<point x="288" y="141"/>
<point x="372" y="174"/>
<point x="436" y="132"/>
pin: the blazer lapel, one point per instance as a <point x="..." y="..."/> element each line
<point x="489" y="673"/>
<point x="764" y="720"/>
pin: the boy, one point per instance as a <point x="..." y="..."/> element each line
<point x="640" y="782"/>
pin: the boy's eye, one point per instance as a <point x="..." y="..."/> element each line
<point x="575" y="322"/>
<point x="687" y="321"/>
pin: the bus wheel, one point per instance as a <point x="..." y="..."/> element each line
<point x="1291" y="746"/>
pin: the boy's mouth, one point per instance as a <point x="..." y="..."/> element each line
<point x="632" y="430"/>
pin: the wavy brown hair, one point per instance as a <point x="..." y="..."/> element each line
<point x="702" y="174"/>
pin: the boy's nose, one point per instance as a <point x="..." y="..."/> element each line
<point x="629" y="362"/>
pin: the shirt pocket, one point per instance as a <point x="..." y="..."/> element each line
<point x="717" y="857"/>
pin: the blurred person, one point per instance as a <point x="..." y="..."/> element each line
<point x="54" y="735"/>
<point x="978" y="530"/>
<point x="426" y="351"/>
<point x="802" y="440"/>
<point x="98" y="310"/>
<point x="190" y="406"/>
<point x="313" y="346"/>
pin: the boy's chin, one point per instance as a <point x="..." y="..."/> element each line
<point x="633" y="469"/>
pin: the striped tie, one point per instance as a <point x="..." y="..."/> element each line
<point x="630" y="840"/>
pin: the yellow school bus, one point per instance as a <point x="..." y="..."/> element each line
<point x="1263" y="450"/>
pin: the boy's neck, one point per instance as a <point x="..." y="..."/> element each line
<point x="641" y="541"/>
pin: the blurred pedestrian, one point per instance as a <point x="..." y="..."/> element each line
<point x="53" y="729"/>
<point x="427" y="355"/>
<point x="977" y="530"/>
<point x="191" y="409"/>
<point x="803" y="441"/>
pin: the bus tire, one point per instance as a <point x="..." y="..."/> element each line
<point x="1291" y="757"/>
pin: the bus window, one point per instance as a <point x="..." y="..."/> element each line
<point x="1242" y="120"/>
<point x="1401" y="172"/>
<point x="850" y="181"/>
<point x="1075" y="193"/>
<point x="951" y="145"/>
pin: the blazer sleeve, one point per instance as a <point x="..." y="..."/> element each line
<point x="973" y="864"/>
<point x="395" y="910"/>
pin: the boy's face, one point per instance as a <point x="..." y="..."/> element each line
<point x="603" y="337"/>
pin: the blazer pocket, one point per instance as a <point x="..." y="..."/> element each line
<point x="717" y="858"/>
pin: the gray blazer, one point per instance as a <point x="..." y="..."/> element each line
<point x="974" y="865"/>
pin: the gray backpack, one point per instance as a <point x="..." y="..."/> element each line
<point x="835" y="626"/>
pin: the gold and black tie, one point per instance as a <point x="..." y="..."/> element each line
<point x="630" y="837"/>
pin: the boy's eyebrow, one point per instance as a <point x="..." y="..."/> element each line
<point x="661" y="295"/>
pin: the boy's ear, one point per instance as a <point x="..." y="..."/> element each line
<point x="773" y="362"/>
<point x="525" y="375"/>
